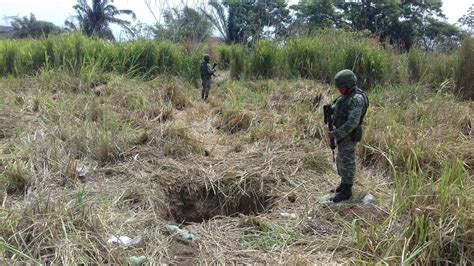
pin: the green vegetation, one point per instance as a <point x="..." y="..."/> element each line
<point x="94" y="19"/>
<point x="86" y="58"/>
<point x="318" y="58"/>
<point x="422" y="139"/>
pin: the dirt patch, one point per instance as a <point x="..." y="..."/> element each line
<point x="181" y="253"/>
<point x="349" y="212"/>
<point x="317" y="227"/>
<point x="199" y="204"/>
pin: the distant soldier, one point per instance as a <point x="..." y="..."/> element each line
<point x="206" y="74"/>
<point x="349" y="111"/>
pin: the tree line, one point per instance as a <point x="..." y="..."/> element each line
<point x="401" y="23"/>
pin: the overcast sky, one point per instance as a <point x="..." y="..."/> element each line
<point x="57" y="11"/>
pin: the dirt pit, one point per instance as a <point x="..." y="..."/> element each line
<point x="197" y="205"/>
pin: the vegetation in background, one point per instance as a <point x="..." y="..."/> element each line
<point x="32" y="28"/>
<point x="467" y="20"/>
<point x="246" y="21"/>
<point x="318" y="57"/>
<point x="94" y="19"/>
<point x="87" y="58"/>
<point x="465" y="76"/>
<point x="183" y="25"/>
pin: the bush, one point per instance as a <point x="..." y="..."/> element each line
<point x="237" y="61"/>
<point x="310" y="58"/>
<point x="224" y="57"/>
<point x="75" y="53"/>
<point x="264" y="60"/>
<point x="416" y="65"/>
<point x="368" y="62"/>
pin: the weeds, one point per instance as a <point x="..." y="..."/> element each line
<point x="431" y="179"/>
<point x="317" y="57"/>
<point x="178" y="142"/>
<point x="16" y="177"/>
<point x="465" y="78"/>
<point x="267" y="236"/>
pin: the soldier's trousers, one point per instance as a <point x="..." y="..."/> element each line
<point x="345" y="161"/>
<point x="206" y="87"/>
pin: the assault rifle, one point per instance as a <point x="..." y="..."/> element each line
<point x="214" y="69"/>
<point x="328" y="111"/>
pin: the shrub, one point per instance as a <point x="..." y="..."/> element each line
<point x="237" y="61"/>
<point x="224" y="57"/>
<point x="416" y="65"/>
<point x="264" y="60"/>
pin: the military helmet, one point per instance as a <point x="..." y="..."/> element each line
<point x="345" y="78"/>
<point x="206" y="57"/>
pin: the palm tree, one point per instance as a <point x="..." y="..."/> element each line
<point x="94" y="20"/>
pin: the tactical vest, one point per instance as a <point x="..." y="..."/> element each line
<point x="341" y="112"/>
<point x="204" y="71"/>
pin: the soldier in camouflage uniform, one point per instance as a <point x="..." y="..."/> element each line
<point x="349" y="112"/>
<point x="206" y="74"/>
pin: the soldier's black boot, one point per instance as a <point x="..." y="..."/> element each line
<point x="344" y="194"/>
<point x="338" y="189"/>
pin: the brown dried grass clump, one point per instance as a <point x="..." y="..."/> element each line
<point x="235" y="120"/>
<point x="173" y="92"/>
<point x="177" y="142"/>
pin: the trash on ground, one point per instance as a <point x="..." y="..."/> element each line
<point x="184" y="234"/>
<point x="287" y="215"/>
<point x="137" y="260"/>
<point x="170" y="228"/>
<point x="136" y="157"/>
<point x="82" y="172"/>
<point x="129" y="220"/>
<point x="326" y="199"/>
<point x="368" y="199"/>
<point x="125" y="241"/>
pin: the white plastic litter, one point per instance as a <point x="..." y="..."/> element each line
<point x="287" y="215"/>
<point x="125" y="241"/>
<point x="137" y="260"/>
<point x="82" y="171"/>
<point x="136" y="157"/>
<point x="184" y="234"/>
<point x="326" y="199"/>
<point x="368" y="199"/>
<point x="129" y="220"/>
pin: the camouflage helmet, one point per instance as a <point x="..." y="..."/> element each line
<point x="345" y="78"/>
<point x="206" y="57"/>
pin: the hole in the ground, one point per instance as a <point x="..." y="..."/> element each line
<point x="196" y="205"/>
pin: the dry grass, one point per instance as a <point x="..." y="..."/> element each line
<point x="154" y="157"/>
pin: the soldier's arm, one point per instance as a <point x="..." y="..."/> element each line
<point x="357" y="106"/>
<point x="210" y="71"/>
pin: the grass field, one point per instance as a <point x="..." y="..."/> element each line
<point x="92" y="154"/>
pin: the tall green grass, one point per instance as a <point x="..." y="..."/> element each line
<point x="423" y="139"/>
<point x="75" y="53"/>
<point x="465" y="78"/>
<point x="318" y="57"/>
<point x="321" y="56"/>
<point x="238" y="59"/>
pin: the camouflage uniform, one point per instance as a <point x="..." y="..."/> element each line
<point x="206" y="74"/>
<point x="348" y="113"/>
